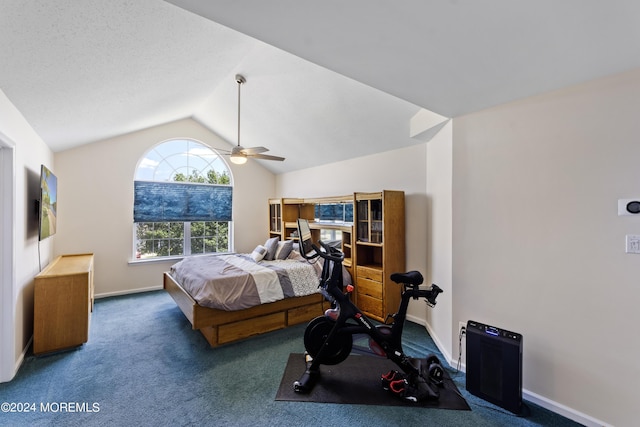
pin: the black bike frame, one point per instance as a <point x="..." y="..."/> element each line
<point x="391" y="343"/>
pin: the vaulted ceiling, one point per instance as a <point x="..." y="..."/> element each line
<point x="326" y="80"/>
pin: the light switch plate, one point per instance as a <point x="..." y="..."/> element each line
<point x="633" y="244"/>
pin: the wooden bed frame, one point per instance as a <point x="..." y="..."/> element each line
<point x="223" y="327"/>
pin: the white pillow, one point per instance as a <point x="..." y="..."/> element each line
<point x="258" y="253"/>
<point x="284" y="249"/>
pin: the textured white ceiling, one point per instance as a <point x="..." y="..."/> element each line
<point x="449" y="56"/>
<point x="85" y="70"/>
<point x="81" y="71"/>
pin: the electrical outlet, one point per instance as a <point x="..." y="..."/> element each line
<point x="461" y="326"/>
<point x="462" y="341"/>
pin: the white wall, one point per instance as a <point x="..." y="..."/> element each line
<point x="30" y="153"/>
<point x="538" y="247"/>
<point x="403" y="169"/>
<point x="439" y="169"/>
<point x="95" y="186"/>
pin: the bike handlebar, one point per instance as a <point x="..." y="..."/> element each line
<point x="329" y="253"/>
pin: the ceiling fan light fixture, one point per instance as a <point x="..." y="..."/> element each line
<point x="238" y="158"/>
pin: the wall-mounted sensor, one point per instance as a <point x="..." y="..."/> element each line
<point x="629" y="206"/>
<point x="633" y="207"/>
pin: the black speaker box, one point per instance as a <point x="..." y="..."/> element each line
<point x="494" y="365"/>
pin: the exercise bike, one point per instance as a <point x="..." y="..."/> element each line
<point x="330" y="338"/>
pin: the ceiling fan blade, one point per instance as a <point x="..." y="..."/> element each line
<point x="265" y="157"/>
<point x="254" y="150"/>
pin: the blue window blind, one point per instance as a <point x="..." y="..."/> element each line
<point x="179" y="201"/>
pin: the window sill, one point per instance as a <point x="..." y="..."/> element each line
<point x="172" y="259"/>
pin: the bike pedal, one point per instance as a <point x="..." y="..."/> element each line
<point x="398" y="387"/>
<point x="411" y="392"/>
<point x="389" y="377"/>
<point x="401" y="388"/>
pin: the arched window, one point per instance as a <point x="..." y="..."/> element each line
<point x="182" y="201"/>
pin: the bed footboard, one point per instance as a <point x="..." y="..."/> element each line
<point x="223" y="327"/>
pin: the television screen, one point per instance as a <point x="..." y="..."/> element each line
<point x="48" y="203"/>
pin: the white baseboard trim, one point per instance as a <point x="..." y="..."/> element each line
<point x="434" y="337"/>
<point x="563" y="410"/>
<point x="527" y="395"/>
<point x="127" y="292"/>
<point x="23" y="354"/>
<point x="417" y="320"/>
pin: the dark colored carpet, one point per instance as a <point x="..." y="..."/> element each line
<point x="144" y="366"/>
<point x="357" y="381"/>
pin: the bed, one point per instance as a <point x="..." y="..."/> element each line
<point x="235" y="296"/>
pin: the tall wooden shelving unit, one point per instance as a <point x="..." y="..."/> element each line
<point x="380" y="251"/>
<point x="374" y="246"/>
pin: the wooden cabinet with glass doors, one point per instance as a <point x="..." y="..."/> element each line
<point x="275" y="217"/>
<point x="379" y="252"/>
<point x="284" y="214"/>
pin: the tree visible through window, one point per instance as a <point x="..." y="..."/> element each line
<point x="181" y="161"/>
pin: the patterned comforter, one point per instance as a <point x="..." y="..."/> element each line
<point x="234" y="282"/>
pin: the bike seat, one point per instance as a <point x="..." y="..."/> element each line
<point x="409" y="278"/>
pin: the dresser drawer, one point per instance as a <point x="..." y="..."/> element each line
<point x="369" y="287"/>
<point x="370" y="305"/>
<point x="369" y="273"/>
<point x="246" y="328"/>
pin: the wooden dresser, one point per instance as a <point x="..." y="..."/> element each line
<point x="63" y="301"/>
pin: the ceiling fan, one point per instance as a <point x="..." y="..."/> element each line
<point x="239" y="154"/>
